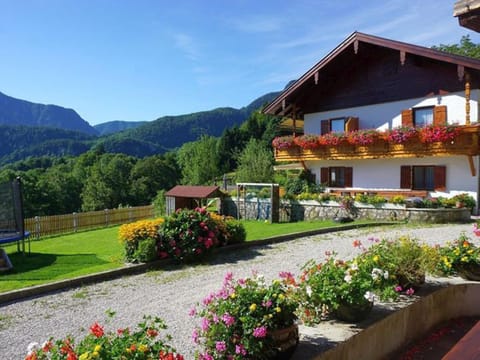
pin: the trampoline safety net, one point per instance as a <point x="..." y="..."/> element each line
<point x="12" y="226"/>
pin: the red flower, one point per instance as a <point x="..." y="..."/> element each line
<point x="96" y="330"/>
<point x="152" y="333"/>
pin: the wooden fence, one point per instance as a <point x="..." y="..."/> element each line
<point x="60" y="224"/>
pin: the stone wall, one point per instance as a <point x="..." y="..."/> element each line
<point x="259" y="209"/>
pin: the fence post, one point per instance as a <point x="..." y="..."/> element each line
<point x="130" y="214"/>
<point x="37" y="227"/>
<point x="75" y="222"/>
<point x="106" y="217"/>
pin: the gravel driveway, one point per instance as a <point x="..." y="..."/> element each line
<point x="170" y="293"/>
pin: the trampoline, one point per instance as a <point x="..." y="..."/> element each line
<point x="12" y="225"/>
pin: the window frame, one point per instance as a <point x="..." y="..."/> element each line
<point x="423" y="108"/>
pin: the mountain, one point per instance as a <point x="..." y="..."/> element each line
<point x="20" y="142"/>
<point x="137" y="139"/>
<point x="21" y="112"/>
<point x="111" y="127"/>
<point x="170" y="132"/>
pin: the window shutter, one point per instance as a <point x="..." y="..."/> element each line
<point x="324" y="176"/>
<point x="351" y="124"/>
<point x="407" y="118"/>
<point x="324" y="127"/>
<point x="440" y="115"/>
<point x="440" y="178"/>
<point x="348" y="176"/>
<point x="405" y="177"/>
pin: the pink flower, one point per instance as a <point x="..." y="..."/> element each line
<point x="195" y="336"/>
<point x="398" y="288"/>
<point x="410" y="292"/>
<point x="205" y="324"/>
<point x="228" y="319"/>
<point x="267" y="303"/>
<point x="240" y="349"/>
<point x="220" y="346"/>
<point x="208" y="243"/>
<point x="476" y="230"/>
<point x="192" y="312"/>
<point x="260" y="332"/>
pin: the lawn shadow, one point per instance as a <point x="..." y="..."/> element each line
<point x="34" y="266"/>
<point x="234" y="254"/>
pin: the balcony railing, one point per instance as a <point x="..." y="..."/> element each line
<point x="466" y="142"/>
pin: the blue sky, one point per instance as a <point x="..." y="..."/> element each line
<point x="142" y="59"/>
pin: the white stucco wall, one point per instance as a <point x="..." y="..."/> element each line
<point x="384" y="174"/>
<point x="388" y="115"/>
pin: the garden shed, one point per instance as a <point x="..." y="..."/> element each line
<point x="190" y="197"/>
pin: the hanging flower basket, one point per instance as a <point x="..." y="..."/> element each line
<point x="431" y="134"/>
<point x="362" y="137"/>
<point x="332" y="139"/>
<point x="400" y="135"/>
<point x="308" y="141"/>
<point x="283" y="142"/>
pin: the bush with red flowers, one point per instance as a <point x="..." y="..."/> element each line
<point x="361" y="137"/>
<point x="124" y="344"/>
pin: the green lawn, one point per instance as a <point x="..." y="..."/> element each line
<point x="63" y="257"/>
<point x="69" y="256"/>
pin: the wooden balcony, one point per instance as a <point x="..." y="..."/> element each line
<point x="466" y="143"/>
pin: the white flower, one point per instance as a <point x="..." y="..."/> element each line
<point x="376" y="273"/>
<point x="309" y="290"/>
<point x="354" y="266"/>
<point x="33" y="346"/>
<point x="385" y="275"/>
<point x="370" y="296"/>
<point x="348" y="278"/>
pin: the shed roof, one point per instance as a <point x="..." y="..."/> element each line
<point x="197" y="192"/>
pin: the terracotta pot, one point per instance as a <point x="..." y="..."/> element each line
<point x="285" y="342"/>
<point x="353" y="312"/>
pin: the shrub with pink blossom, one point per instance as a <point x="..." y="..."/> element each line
<point x="188" y="235"/>
<point x="237" y="321"/>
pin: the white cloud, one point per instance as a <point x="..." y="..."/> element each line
<point x="187" y="45"/>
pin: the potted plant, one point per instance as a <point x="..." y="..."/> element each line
<point x="361" y="137"/>
<point x="247" y="318"/>
<point x="400" y="135"/>
<point x="145" y="343"/>
<point x="436" y="133"/>
<point x="460" y="257"/>
<point x="335" y="287"/>
<point x="404" y="258"/>
<point x="332" y="139"/>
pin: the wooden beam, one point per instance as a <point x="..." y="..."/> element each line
<point x="473" y="171"/>
<point x="355" y="47"/>
<point x="460" y="72"/>
<point x="402" y="57"/>
<point x="316" y="78"/>
<point x="467" y="99"/>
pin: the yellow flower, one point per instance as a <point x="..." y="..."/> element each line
<point x="98" y="348"/>
<point x="281" y="296"/>
<point x="270" y="316"/>
<point x="232" y="295"/>
<point x="278" y="309"/>
<point x="84" y="356"/>
<point x="470" y="252"/>
<point x="253" y="307"/>
<point x="376" y="258"/>
<point x="142" y="348"/>
<point x="128" y="350"/>
<point x="95" y="354"/>
<point x="464" y="259"/>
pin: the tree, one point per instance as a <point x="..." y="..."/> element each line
<point x="108" y="185"/>
<point x="198" y="161"/>
<point x="465" y="48"/>
<point x="255" y="163"/>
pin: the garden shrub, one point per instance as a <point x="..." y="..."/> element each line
<point x="236" y="231"/>
<point x="465" y="200"/>
<point x="132" y="234"/>
<point x="398" y="199"/>
<point x="147" y="250"/>
<point x="188" y="235"/>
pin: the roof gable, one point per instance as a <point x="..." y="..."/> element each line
<point x="356" y="51"/>
<point x="196" y="192"/>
